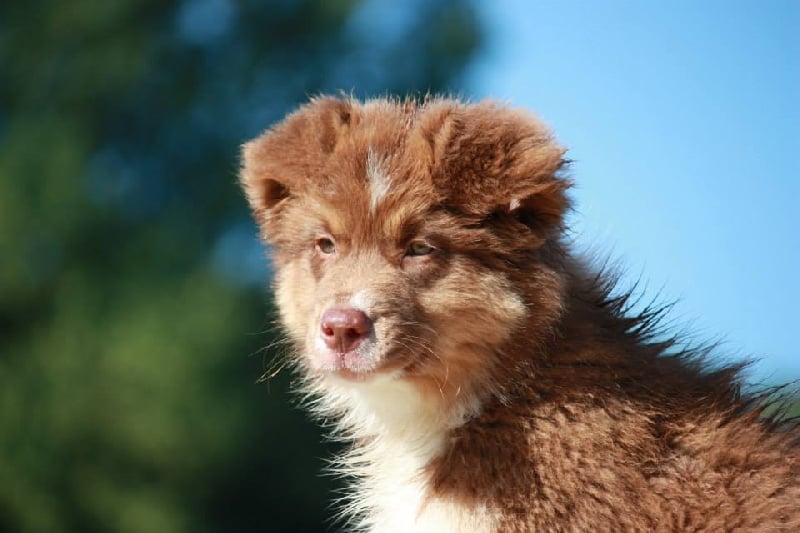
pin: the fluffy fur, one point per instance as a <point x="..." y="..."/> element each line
<point x="498" y="385"/>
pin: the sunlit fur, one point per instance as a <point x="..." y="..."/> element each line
<point x="502" y="387"/>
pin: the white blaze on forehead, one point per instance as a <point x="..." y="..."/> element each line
<point x="378" y="179"/>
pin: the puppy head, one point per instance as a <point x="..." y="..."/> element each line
<point x="407" y="236"/>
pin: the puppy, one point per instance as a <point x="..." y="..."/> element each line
<point x="485" y="374"/>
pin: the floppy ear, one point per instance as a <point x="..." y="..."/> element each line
<point x="289" y="155"/>
<point x="543" y="207"/>
<point x="263" y="190"/>
<point x="489" y="159"/>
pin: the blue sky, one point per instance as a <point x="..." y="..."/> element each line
<point x="684" y="121"/>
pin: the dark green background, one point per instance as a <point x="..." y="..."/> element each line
<point x="133" y="300"/>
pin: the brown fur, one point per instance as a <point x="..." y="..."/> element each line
<point x="556" y="410"/>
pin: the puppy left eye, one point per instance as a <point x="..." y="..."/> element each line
<point x="419" y="248"/>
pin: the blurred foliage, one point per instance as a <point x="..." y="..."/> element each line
<point x="131" y="298"/>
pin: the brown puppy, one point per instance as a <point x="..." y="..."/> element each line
<point x="488" y="379"/>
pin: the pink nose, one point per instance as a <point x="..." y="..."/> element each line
<point x="343" y="328"/>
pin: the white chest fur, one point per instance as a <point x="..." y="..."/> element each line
<point x="404" y="432"/>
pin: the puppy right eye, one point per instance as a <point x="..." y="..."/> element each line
<point x="325" y="245"/>
<point x="419" y="248"/>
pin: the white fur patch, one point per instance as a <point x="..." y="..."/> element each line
<point x="378" y="179"/>
<point x="363" y="300"/>
<point x="403" y="432"/>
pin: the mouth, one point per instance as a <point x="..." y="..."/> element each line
<point x="366" y="363"/>
<point x="357" y="364"/>
<point x="351" y="376"/>
<point x="353" y="366"/>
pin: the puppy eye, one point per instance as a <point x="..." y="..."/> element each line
<point x="325" y="245"/>
<point x="419" y="248"/>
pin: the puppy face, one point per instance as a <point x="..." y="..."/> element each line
<point x="406" y="237"/>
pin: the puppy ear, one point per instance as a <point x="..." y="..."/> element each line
<point x="543" y="208"/>
<point x="282" y="161"/>
<point x="490" y="159"/>
<point x="263" y="190"/>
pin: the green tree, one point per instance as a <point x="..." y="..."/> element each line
<point x="131" y="293"/>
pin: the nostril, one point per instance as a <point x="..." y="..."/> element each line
<point x="358" y="327"/>
<point x="343" y="328"/>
